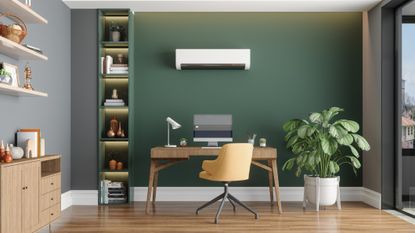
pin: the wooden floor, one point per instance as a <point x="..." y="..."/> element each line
<point x="180" y="217"/>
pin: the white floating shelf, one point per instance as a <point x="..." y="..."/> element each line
<point x="18" y="91"/>
<point x="15" y="7"/>
<point x="17" y="51"/>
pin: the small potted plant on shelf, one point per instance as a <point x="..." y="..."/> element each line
<point x="321" y="146"/>
<point x="5" y="77"/>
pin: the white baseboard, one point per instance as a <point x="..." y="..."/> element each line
<point x="66" y="200"/>
<point x="242" y="193"/>
<point x="90" y="197"/>
<point x="371" y="198"/>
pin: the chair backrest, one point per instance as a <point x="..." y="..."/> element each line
<point x="234" y="161"/>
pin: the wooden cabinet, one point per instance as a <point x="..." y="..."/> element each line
<point x="29" y="200"/>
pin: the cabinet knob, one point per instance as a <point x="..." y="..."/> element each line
<point x="51" y="199"/>
<point x="51" y="214"/>
<point x="51" y="183"/>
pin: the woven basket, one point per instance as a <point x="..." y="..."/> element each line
<point x="13" y="34"/>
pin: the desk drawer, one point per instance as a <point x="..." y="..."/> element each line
<point x="50" y="199"/>
<point x="50" y="183"/>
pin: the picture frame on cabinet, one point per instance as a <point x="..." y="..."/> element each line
<point x="13" y="71"/>
<point x="23" y="135"/>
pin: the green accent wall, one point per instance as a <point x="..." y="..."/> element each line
<point x="301" y="62"/>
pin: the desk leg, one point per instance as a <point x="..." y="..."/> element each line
<point x="156" y="177"/>
<point x="270" y="184"/>
<point x="150" y="185"/>
<point x="276" y="183"/>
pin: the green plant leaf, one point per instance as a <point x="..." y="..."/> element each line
<point x="302" y="131"/>
<point x="329" y="145"/>
<point x="292" y="125"/>
<point x="345" y="140"/>
<point x="316" y="117"/>
<point x="355" y="162"/>
<point x="311" y="130"/>
<point x="349" y="125"/>
<point x="288" y="165"/>
<point x="354" y="151"/>
<point x="361" y="142"/>
<point x="334" y="167"/>
<point x="292" y="140"/>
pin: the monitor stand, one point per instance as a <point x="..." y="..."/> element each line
<point x="211" y="145"/>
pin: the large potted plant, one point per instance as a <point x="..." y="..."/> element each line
<point x="321" y="145"/>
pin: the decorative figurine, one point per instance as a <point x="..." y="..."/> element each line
<point x="120" y="132"/>
<point x="114" y="125"/>
<point x="16" y="152"/>
<point x="263" y="142"/>
<point x="120" y="58"/>
<point x="2" y="151"/>
<point x="252" y="139"/>
<point x="28" y="77"/>
<point x="8" y="156"/>
<point x="114" y="94"/>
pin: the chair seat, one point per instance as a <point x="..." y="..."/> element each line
<point x="207" y="176"/>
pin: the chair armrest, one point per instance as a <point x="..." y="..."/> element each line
<point x="209" y="165"/>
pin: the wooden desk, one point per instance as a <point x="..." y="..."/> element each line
<point x="162" y="157"/>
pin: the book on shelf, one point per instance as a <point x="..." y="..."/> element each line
<point x="108" y="66"/>
<point x="33" y="48"/>
<point x="119" y="65"/>
<point x="114" y="102"/>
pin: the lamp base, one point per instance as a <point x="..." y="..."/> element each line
<point x="170" y="146"/>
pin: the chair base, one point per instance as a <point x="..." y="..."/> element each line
<point x="226" y="195"/>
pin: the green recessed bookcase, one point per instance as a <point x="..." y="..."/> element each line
<point x="119" y="75"/>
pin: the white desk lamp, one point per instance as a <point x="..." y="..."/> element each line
<point x="174" y="125"/>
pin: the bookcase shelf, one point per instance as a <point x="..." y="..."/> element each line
<point x="17" y="51"/>
<point x="22" y="11"/>
<point x="118" y="149"/>
<point x="18" y="91"/>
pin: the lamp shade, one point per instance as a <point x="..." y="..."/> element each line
<point x="173" y="123"/>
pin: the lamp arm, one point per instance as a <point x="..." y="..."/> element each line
<point x="168" y="134"/>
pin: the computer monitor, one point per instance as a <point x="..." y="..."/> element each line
<point x="212" y="128"/>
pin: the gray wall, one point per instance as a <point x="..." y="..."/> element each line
<point x="84" y="99"/>
<point x="372" y="160"/>
<point x="51" y="114"/>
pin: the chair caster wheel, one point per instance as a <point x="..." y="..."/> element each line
<point x="197" y="212"/>
<point x="256" y="216"/>
<point x="216" y="221"/>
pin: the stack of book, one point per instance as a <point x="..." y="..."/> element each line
<point x="113" y="192"/>
<point x="117" y="193"/>
<point x="114" y="102"/>
<point x="118" y="69"/>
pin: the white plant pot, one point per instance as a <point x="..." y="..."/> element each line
<point x="328" y="190"/>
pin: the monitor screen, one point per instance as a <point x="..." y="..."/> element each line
<point x="212" y="128"/>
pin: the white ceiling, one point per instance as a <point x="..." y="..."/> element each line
<point x="227" y="5"/>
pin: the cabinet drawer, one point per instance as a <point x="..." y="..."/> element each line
<point x="55" y="212"/>
<point x="55" y="197"/>
<point x="50" y="183"/>
<point x="44" y="217"/>
<point x="44" y="202"/>
<point x="50" y="199"/>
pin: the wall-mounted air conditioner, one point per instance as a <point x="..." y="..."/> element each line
<point x="230" y="59"/>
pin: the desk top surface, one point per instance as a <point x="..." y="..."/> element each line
<point x="259" y="153"/>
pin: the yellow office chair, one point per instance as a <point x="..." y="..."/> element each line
<point x="232" y="164"/>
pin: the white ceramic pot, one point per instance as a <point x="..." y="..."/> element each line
<point x="328" y="190"/>
<point x="116" y="36"/>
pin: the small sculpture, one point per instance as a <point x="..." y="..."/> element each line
<point x="7" y="155"/>
<point x="263" y="142"/>
<point x="114" y="94"/>
<point x="28" y="77"/>
<point x="112" y="164"/>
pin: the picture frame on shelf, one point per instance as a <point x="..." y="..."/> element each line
<point x="13" y="72"/>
